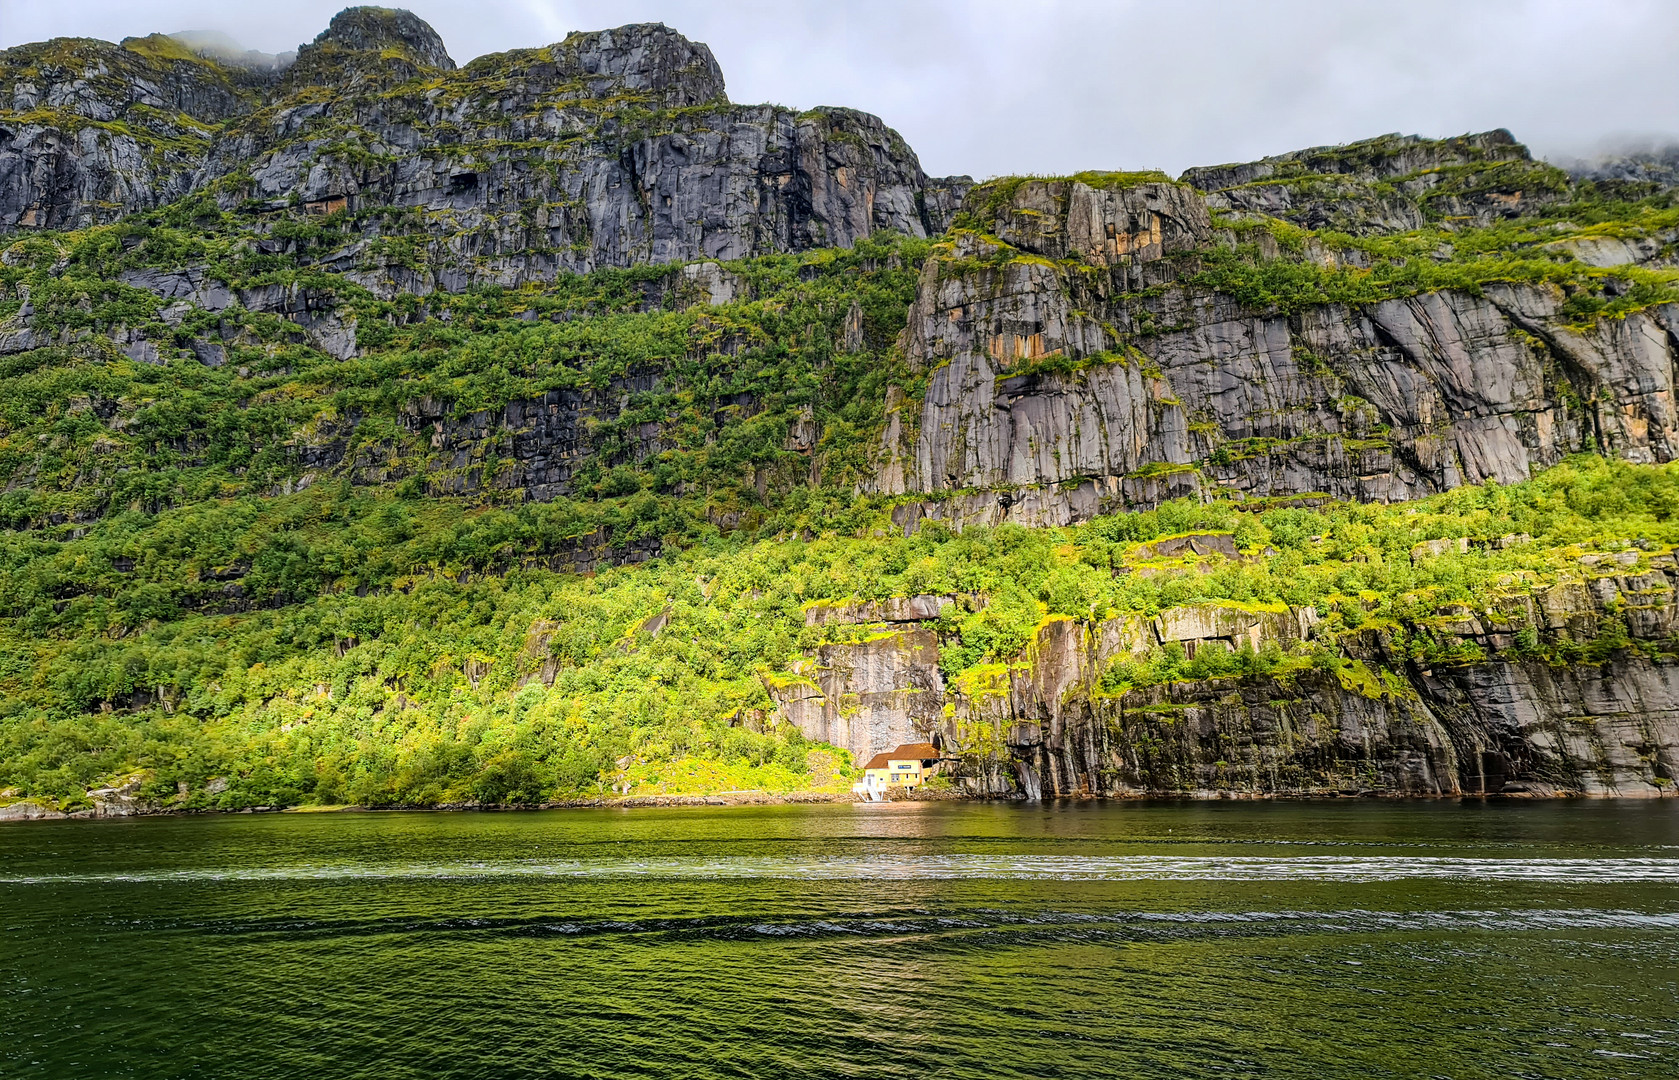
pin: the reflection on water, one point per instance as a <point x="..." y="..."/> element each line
<point x="955" y="940"/>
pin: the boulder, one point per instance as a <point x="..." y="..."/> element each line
<point x="1433" y="549"/>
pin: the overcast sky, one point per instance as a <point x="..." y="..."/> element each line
<point x="988" y="87"/>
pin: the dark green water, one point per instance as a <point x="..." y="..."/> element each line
<point x="953" y="940"/>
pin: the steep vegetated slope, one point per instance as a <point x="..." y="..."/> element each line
<point x="381" y="431"/>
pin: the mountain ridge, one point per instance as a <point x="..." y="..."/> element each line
<point x="374" y="112"/>
<point x="382" y="431"/>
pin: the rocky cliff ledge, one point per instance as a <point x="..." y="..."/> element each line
<point x="1050" y="721"/>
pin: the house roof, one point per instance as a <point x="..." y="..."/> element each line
<point x="908" y="752"/>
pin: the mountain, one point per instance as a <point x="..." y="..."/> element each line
<point x="615" y="148"/>
<point x="1638" y="169"/>
<point x="387" y="431"/>
<point x="1101" y="343"/>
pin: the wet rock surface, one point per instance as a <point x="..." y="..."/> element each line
<point x="1043" y="726"/>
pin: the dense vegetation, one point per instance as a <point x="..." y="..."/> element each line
<point x="96" y="431"/>
<point x="428" y="688"/>
<point x="249" y="567"/>
<point x="1326" y="266"/>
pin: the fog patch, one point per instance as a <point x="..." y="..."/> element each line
<point x="215" y="45"/>
<point x="1645" y="158"/>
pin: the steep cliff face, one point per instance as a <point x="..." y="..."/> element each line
<point x="612" y="148"/>
<point x="1043" y="725"/>
<point x="90" y="131"/>
<point x="1383" y="725"/>
<point x="869" y="696"/>
<point x="295" y="451"/>
<point x="1025" y="385"/>
<point x="609" y="149"/>
<point x="1083" y="353"/>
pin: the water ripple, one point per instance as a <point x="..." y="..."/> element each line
<point x="882" y="867"/>
<point x="979" y="928"/>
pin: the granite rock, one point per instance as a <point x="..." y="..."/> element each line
<point x="1074" y="367"/>
<point x="611" y="148"/>
<point x="1040" y="726"/>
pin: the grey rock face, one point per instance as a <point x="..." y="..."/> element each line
<point x="1659" y="250"/>
<point x="1071" y="372"/>
<point x="869" y="697"/>
<point x="893" y="610"/>
<point x="191" y="285"/>
<point x="1387" y="184"/>
<point x="373" y="29"/>
<point x="121" y="799"/>
<point x="1126" y="224"/>
<point x="1039" y="726"/>
<point x="941" y="199"/>
<point x="728" y="183"/>
<point x="612" y="148"/>
<point x="102" y="82"/>
<point x="1382" y="158"/>
<point x="1000" y="328"/>
<point x="1506" y="726"/>
<point x="90" y="130"/>
<point x="324" y="323"/>
<point x="29" y="811"/>
<point x="644" y="58"/>
<point x="57" y="179"/>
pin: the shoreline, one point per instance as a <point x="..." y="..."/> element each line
<point x="23" y="810"/>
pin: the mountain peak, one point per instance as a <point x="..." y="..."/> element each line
<point x="645" y="58"/>
<point x="374" y="29"/>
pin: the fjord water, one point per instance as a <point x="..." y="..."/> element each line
<point x="1350" y="939"/>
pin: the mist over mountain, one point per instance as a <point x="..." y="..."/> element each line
<point x="218" y="46"/>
